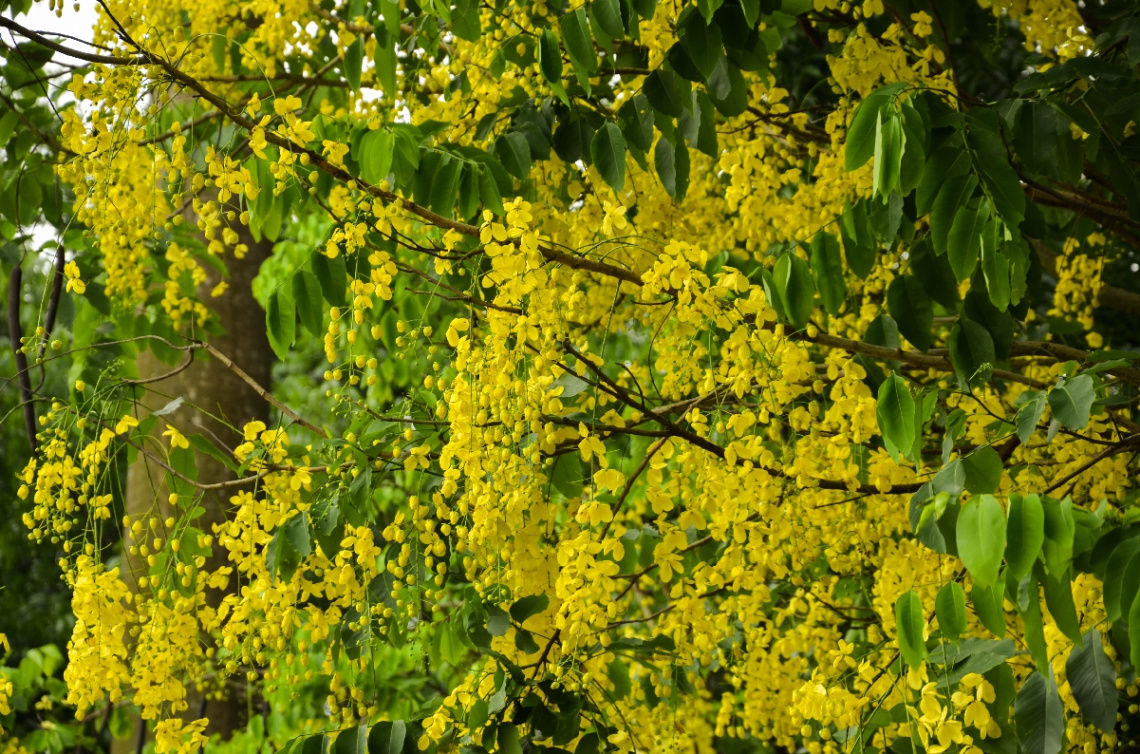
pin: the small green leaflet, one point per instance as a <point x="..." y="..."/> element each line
<point x="307" y="296"/>
<point x="981" y="538"/>
<point x="1029" y="414"/>
<point x="911" y="624"/>
<point x="353" y="60"/>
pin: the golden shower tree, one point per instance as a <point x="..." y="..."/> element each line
<point x="738" y="375"/>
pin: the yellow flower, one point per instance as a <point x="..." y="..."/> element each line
<point x="177" y="440"/>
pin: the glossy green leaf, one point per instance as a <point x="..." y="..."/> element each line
<point x="793" y="281"/>
<point x="509" y="739"/>
<point x="1092" y="678"/>
<point x="332" y="274"/>
<point x="911" y="623"/>
<point x="672" y="163"/>
<point x="1025" y="533"/>
<point x="353" y="60"/>
<point x="987" y="602"/>
<point x="702" y="41"/>
<point x="1118" y="564"/>
<point x="528" y="606"/>
<point x="912" y="309"/>
<point x="387" y="737"/>
<point x="965" y="239"/>
<point x="827" y="270"/>
<point x="608" y="153"/>
<point x="859" y="247"/>
<point x="950" y="608"/>
<point x="309" y="300"/>
<point x="608" y="15"/>
<point x="860" y="145"/>
<point x="983" y="470"/>
<point x="514" y="153"/>
<point x="1039" y="715"/>
<point x="352" y="741"/>
<point x="981" y="538"/>
<point x="1029" y="414"/>
<point x="580" y="45"/>
<point x="281" y="322"/>
<point x="550" y="62"/>
<point x="1072" y="400"/>
<point x="378" y="147"/>
<point x="889" y="141"/>
<point x="665" y="92"/>
<point x="952" y="197"/>
<point x="895" y="413"/>
<point x="971" y="348"/>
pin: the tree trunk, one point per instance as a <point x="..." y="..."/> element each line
<point x="211" y="387"/>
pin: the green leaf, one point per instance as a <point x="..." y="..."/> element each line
<point x="281" y="322"/>
<point x="608" y="153"/>
<point x="948" y="162"/>
<point x="971" y="348"/>
<point x="981" y="538"/>
<point x="307" y="295"/>
<point x="333" y="277"/>
<point x="1029" y="414"/>
<point x="7" y="126"/>
<point x="987" y="601"/>
<point x="1059" y="600"/>
<point x="387" y="737"/>
<point x="995" y="267"/>
<point x="895" y="412"/>
<point x="1072" y="400"/>
<point x="608" y="15"/>
<point x="793" y="281"/>
<point x="509" y="739"/>
<point x="353" y="59"/>
<point x="858" y="243"/>
<point x="379" y="147"/>
<point x="911" y="623"/>
<point x="1060" y="528"/>
<point x="576" y="36"/>
<point x="665" y="92"/>
<point x="991" y="162"/>
<point x="636" y="118"/>
<point x="1039" y="716"/>
<point x="550" y="62"/>
<point x="860" y="145"/>
<point x="1025" y="534"/>
<point x="445" y="185"/>
<point x="951" y="197"/>
<point x="528" y="606"/>
<point x="498" y="622"/>
<point x="827" y="270"/>
<point x="911" y="308"/>
<point x="950" y="607"/>
<point x="1119" y="563"/>
<point x="702" y="41"/>
<point x="1092" y="678"/>
<point x="965" y="239"/>
<point x="477" y="718"/>
<point x="889" y="142"/>
<point x="983" y="471"/>
<point x="514" y="152"/>
<point x="352" y="741"/>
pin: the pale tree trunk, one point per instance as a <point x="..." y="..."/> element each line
<point x="214" y="388"/>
